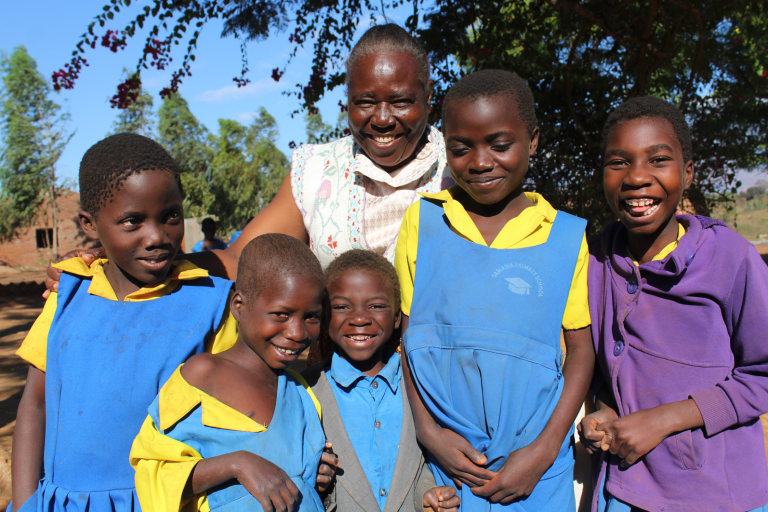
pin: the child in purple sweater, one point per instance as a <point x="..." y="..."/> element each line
<point x="679" y="309"/>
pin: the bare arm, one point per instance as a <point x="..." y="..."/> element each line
<point x="280" y="216"/>
<point x="29" y="439"/>
<point x="265" y="481"/>
<point x="459" y="459"/>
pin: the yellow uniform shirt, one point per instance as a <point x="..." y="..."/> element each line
<point x="666" y="250"/>
<point x="163" y="464"/>
<point x="35" y="345"/>
<point x="528" y="229"/>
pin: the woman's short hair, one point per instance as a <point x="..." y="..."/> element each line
<point x="391" y="38"/>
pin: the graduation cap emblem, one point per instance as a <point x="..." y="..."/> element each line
<point x="518" y="286"/>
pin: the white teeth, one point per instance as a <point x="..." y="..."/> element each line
<point x="287" y="352"/>
<point x="650" y="210"/>
<point x="639" y="202"/>
<point x="359" y="337"/>
<point x="383" y="140"/>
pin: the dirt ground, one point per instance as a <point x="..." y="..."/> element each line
<point x="18" y="313"/>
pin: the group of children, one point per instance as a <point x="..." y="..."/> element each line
<point x="477" y="413"/>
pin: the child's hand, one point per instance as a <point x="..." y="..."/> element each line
<point x="441" y="499"/>
<point x="591" y="438"/>
<point x="458" y="458"/>
<point x="636" y="434"/>
<point x="520" y="474"/>
<point x="266" y="482"/>
<point x="326" y="471"/>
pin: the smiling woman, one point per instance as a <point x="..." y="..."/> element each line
<point x="352" y="193"/>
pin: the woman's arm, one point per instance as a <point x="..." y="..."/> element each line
<point x="280" y="216"/>
<point x="459" y="459"/>
<point x="29" y="439"/>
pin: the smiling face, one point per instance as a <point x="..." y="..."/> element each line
<point x="282" y="321"/>
<point x="488" y="147"/>
<point x="141" y="229"/>
<point x="388" y="107"/>
<point x="363" y="317"/>
<point x="645" y="174"/>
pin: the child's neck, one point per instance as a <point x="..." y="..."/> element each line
<point x="490" y="219"/>
<point x="370" y="367"/>
<point x="123" y="284"/>
<point x="644" y="247"/>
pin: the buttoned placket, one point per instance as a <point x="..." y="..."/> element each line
<point x="633" y="287"/>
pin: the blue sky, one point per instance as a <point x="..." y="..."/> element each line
<point x="49" y="30"/>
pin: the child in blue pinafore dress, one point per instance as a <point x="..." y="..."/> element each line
<point x="499" y="272"/>
<point x="237" y="431"/>
<point x="112" y="335"/>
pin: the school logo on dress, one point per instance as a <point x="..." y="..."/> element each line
<point x="518" y="286"/>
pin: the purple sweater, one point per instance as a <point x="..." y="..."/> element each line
<point x="693" y="325"/>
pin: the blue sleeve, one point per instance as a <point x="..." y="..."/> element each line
<point x="198" y="247"/>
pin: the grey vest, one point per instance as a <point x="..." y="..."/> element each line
<point x="351" y="491"/>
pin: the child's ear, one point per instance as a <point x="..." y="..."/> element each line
<point x="534" y="142"/>
<point x="398" y="319"/>
<point x="88" y="225"/>
<point x="237" y="305"/>
<point x="688" y="174"/>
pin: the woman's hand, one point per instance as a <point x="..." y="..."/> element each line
<point x="591" y="438"/>
<point x="459" y="459"/>
<point x="441" y="499"/>
<point x="636" y="434"/>
<point x="326" y="471"/>
<point x="519" y="475"/>
<point x="54" y="274"/>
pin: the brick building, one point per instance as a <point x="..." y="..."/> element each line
<point x="32" y="246"/>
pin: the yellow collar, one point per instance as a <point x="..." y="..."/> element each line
<point x="178" y="397"/>
<point x="512" y="233"/>
<point x="100" y="286"/>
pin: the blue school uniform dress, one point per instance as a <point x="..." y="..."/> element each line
<point x="484" y="346"/>
<point x="186" y="425"/>
<point x="106" y="360"/>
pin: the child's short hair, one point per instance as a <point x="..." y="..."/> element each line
<point x="111" y="161"/>
<point x="495" y="82"/>
<point x="648" y="106"/>
<point x="358" y="259"/>
<point x="273" y="255"/>
<point x="208" y="222"/>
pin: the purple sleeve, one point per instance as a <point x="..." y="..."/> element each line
<point x="743" y="397"/>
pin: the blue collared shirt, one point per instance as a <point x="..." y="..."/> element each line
<point x="372" y="411"/>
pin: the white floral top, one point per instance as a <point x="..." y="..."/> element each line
<point x="348" y="202"/>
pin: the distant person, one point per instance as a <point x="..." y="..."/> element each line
<point x="112" y="335"/>
<point x="210" y="242"/>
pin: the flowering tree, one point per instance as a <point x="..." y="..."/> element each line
<point x="581" y="58"/>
